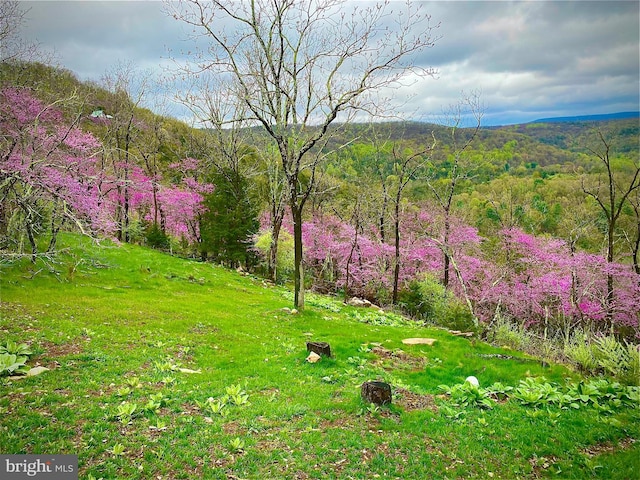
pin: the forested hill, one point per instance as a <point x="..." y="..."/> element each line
<point x="545" y="142"/>
<point x="575" y="134"/>
<point x="590" y="118"/>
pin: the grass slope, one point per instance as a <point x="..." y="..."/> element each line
<point x="115" y="322"/>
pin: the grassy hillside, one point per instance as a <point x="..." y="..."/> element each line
<point x="116" y="323"/>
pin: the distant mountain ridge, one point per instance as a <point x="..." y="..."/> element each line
<point x="589" y="118"/>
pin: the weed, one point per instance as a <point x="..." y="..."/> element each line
<point x="125" y="411"/>
<point x="118" y="449"/>
<point x="468" y="395"/>
<point x="123" y="391"/>
<point x="236" y="445"/>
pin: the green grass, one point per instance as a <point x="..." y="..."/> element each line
<point x="114" y="322"/>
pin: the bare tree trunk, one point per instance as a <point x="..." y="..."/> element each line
<point x="298" y="276"/>
<point x="277" y="216"/>
<point x="396" y="264"/>
<point x="447" y="258"/>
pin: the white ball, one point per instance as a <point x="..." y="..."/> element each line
<point x="473" y="381"/>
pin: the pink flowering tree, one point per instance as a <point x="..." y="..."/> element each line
<point x="175" y="208"/>
<point x="48" y="171"/>
<point x="342" y="258"/>
<point x="545" y="285"/>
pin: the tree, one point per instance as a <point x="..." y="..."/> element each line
<point x="230" y="220"/>
<point x="128" y="89"/>
<point x="611" y="192"/>
<point x="444" y="191"/>
<point x="301" y="67"/>
<point x="407" y="164"/>
<point x="11" y="47"/>
<point x="48" y="171"/>
<point x="635" y="242"/>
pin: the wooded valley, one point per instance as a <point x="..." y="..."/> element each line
<point x="455" y="224"/>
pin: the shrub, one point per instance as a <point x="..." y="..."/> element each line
<point x="156" y="238"/>
<point x="429" y="301"/>
<point x="285" y="260"/>
<point x="507" y="334"/>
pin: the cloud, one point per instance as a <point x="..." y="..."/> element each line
<point x="529" y="59"/>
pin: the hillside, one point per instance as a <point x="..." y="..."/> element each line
<point x="116" y="323"/>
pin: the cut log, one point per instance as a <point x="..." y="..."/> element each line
<point x="376" y="392"/>
<point x="321" y="348"/>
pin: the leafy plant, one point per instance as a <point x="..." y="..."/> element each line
<point x="451" y="413"/>
<point x="499" y="391"/>
<point x="12" y="364"/>
<point x="611" y="355"/>
<point x="217" y="407"/>
<point x="154" y="403"/>
<point x="466" y="394"/>
<point x="236" y="445"/>
<point x="357" y="362"/>
<point x="118" y="449"/>
<point x="123" y="391"/>
<point x="236" y="395"/>
<point x="159" y="425"/>
<point x="14" y="348"/>
<point x="125" y="411"/>
<point x="164" y="365"/>
<point x="582" y="355"/>
<point x="133" y="382"/>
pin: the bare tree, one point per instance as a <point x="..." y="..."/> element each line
<point x="12" y="47"/>
<point x="128" y="88"/>
<point x="635" y="242"/>
<point x="444" y="191"/>
<point x="305" y="67"/>
<point x="611" y="191"/>
<point x="408" y="164"/>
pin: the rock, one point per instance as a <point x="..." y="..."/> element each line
<point x="321" y="348"/>
<point x="31" y="373"/>
<point x="294" y="312"/>
<point x="359" y="302"/>
<point x="37" y="371"/>
<point x="419" y="341"/>
<point x="473" y="381"/>
<point x="376" y="392"/>
<point x="313" y="357"/>
<point x="458" y="333"/>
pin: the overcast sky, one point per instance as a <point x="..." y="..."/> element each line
<point x="530" y="60"/>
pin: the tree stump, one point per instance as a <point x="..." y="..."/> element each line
<point x="321" y="348"/>
<point x="376" y="392"/>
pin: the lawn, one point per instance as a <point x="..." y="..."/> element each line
<point x="167" y="368"/>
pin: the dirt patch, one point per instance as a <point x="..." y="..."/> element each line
<point x="398" y="359"/>
<point x="541" y="464"/>
<point x="341" y="422"/>
<point x="413" y="401"/>
<point x="53" y="351"/>
<point x="234" y="428"/>
<point x="608" y="447"/>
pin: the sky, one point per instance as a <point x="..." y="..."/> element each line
<point x="527" y="60"/>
